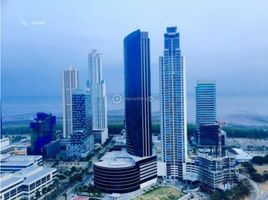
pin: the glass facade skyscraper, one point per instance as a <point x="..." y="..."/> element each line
<point x="43" y="132"/>
<point x="138" y="94"/>
<point x="173" y="106"/>
<point x="81" y="111"/>
<point x="205" y="104"/>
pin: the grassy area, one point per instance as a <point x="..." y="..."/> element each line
<point x="261" y="169"/>
<point x="161" y="193"/>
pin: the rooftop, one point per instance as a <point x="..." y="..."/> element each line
<point x="7" y="180"/>
<point x="214" y="157"/>
<point x="34" y="172"/>
<point x="27" y="176"/>
<point x="117" y="159"/>
<point x="172" y="29"/>
<point x="206" y="82"/>
<point x="15" y="160"/>
<point x="12" y="146"/>
<point x="240" y="154"/>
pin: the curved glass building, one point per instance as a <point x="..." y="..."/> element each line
<point x="137" y="94"/>
<point x="119" y="172"/>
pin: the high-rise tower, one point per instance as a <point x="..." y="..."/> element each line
<point x="98" y="96"/>
<point x="82" y="118"/>
<point x="69" y="82"/>
<point x="139" y="168"/>
<point x="138" y="94"/>
<point x="173" y="106"/>
<point x="205" y="104"/>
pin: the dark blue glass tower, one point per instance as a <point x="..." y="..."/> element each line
<point x="137" y="94"/>
<point x="43" y="132"/>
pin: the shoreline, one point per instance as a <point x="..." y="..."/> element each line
<point x="119" y="118"/>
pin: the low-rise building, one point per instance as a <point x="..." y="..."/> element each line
<point x="240" y="155"/>
<point x="214" y="172"/>
<point x="4" y="142"/>
<point x="25" y="183"/>
<point x="79" y="145"/>
<point x="13" y="163"/>
<point x="17" y="148"/>
<point x="52" y="149"/>
<point x="120" y="172"/>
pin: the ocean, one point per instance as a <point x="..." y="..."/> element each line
<point x="237" y="109"/>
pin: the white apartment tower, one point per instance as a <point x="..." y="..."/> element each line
<point x="173" y="106"/>
<point x="69" y="82"/>
<point x="98" y="97"/>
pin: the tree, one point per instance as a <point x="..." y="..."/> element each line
<point x="265" y="176"/>
<point x="256" y="177"/>
<point x="266" y="158"/>
<point x="73" y="169"/>
<point x="44" y="190"/>
<point x="217" y="196"/>
<point x="249" y="167"/>
<point x="241" y="190"/>
<point x="258" y="160"/>
<point x="37" y="194"/>
<point x="65" y="196"/>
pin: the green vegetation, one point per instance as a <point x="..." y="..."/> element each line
<point x="246" y="132"/>
<point x="54" y="190"/>
<point x="61" y="177"/>
<point x="231" y="131"/>
<point x="16" y="130"/>
<point x="260" y="160"/>
<point x="159" y="193"/>
<point x="93" y="191"/>
<point x="21" y="129"/>
<point x="240" y="191"/>
<point x="76" y="177"/>
<point x="115" y="128"/>
<point x="254" y="175"/>
<point x="156" y="128"/>
<point x="249" y="168"/>
<point x="74" y="169"/>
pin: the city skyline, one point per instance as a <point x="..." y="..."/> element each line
<point x="143" y="60"/>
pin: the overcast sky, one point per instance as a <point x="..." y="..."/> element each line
<point x="222" y="40"/>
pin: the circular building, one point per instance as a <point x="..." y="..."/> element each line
<point x="118" y="172"/>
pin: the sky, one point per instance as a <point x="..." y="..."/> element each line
<point x="221" y="40"/>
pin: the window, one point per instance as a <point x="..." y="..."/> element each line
<point x="32" y="186"/>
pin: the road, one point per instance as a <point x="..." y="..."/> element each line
<point x="255" y="193"/>
<point x="87" y="179"/>
<point x="264" y="196"/>
<point x="70" y="191"/>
